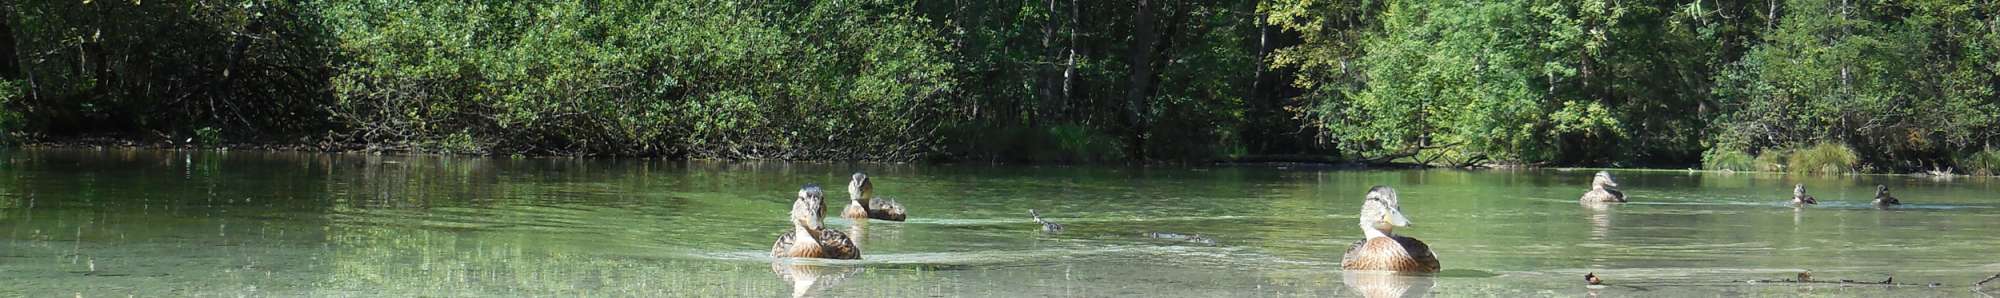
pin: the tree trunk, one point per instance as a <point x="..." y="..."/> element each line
<point x="1047" y="73"/>
<point x="10" y="62"/>
<point x="1140" y="79"/>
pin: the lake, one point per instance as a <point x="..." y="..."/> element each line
<point x="119" y="222"/>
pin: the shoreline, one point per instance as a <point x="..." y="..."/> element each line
<point x="1278" y="161"/>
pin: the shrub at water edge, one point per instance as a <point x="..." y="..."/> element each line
<point x="1985" y="162"/>
<point x="1825" y="158"/>
<point x="1728" y="159"/>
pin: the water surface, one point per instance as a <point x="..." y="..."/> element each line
<point x="202" y="223"/>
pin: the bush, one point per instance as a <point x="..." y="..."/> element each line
<point x="1825" y="158"/>
<point x="1720" y="158"/>
<point x="9" y="123"/>
<point x="703" y="79"/>
<point x="1772" y="160"/>
<point x="1984" y="163"/>
<point x="208" y="136"/>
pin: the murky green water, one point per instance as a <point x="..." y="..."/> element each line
<point x="165" y="223"/>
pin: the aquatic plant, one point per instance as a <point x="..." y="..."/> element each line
<point x="1720" y="158"/>
<point x="9" y="90"/>
<point x="208" y="136"/>
<point x="1825" y="158"/>
<point x="1771" y="160"/>
<point x="1985" y="162"/>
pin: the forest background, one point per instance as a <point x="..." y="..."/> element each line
<point x="1776" y="85"/>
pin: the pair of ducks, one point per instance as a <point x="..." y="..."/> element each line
<point x="1381" y="213"/>
<point x="809" y="238"/>
<point x="1882" y="197"/>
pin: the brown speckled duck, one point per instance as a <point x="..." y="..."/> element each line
<point x="808" y="238"/>
<point x="1883" y="199"/>
<point x="1383" y="250"/>
<point x="863" y="204"/>
<point x="1800" y="198"/>
<point x="1603" y="190"/>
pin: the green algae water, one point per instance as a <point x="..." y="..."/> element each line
<point x="100" y="223"/>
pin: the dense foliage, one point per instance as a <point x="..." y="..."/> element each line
<point x="1740" y="85"/>
<point x="848" y="80"/>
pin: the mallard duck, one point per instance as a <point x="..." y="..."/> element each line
<point x="1383" y="250"/>
<point x="1048" y="227"/>
<point x="1603" y="190"/>
<point x="808" y="239"/>
<point x="863" y="204"/>
<point x="1882" y="197"/>
<point x="1799" y="196"/>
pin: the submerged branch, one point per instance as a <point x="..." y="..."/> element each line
<point x="1806" y="278"/>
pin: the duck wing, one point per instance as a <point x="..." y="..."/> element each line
<point x="1887" y="200"/>
<point x="783" y="245"/>
<point x="886" y="209"/>
<point x="1415" y="256"/>
<point x="1353" y="253"/>
<point x="1420" y="252"/>
<point x="835" y="245"/>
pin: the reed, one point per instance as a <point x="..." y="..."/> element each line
<point x="1825" y="158"/>
<point x="1728" y="159"/>
<point x="1984" y="163"/>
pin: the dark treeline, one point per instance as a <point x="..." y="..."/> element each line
<point x="1807" y="85"/>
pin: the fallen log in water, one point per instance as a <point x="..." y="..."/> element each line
<point x="1806" y="277"/>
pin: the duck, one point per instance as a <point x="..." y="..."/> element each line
<point x="1383" y="250"/>
<point x="1603" y="190"/>
<point x="1882" y="197"/>
<point x="863" y="204"/>
<point x="1047" y="227"/>
<point x="808" y="237"/>
<point x="1800" y="198"/>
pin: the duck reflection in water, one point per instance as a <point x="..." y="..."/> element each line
<point x="1600" y="220"/>
<point x="808" y="278"/>
<point x="1378" y="284"/>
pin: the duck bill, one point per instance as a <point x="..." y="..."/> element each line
<point x="1395" y="218"/>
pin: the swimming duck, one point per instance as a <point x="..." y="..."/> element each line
<point x="1047" y="227"/>
<point x="1882" y="197"/>
<point x="1799" y="196"/>
<point x="1603" y="190"/>
<point x="863" y="204"/>
<point x="1382" y="250"/>
<point x="808" y="239"/>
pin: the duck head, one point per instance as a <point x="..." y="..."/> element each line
<point x="860" y="189"/>
<point x="1881" y="190"/>
<point x="1799" y="190"/>
<point x="808" y="209"/>
<point x="1380" y="213"/>
<point x="1602" y="181"/>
